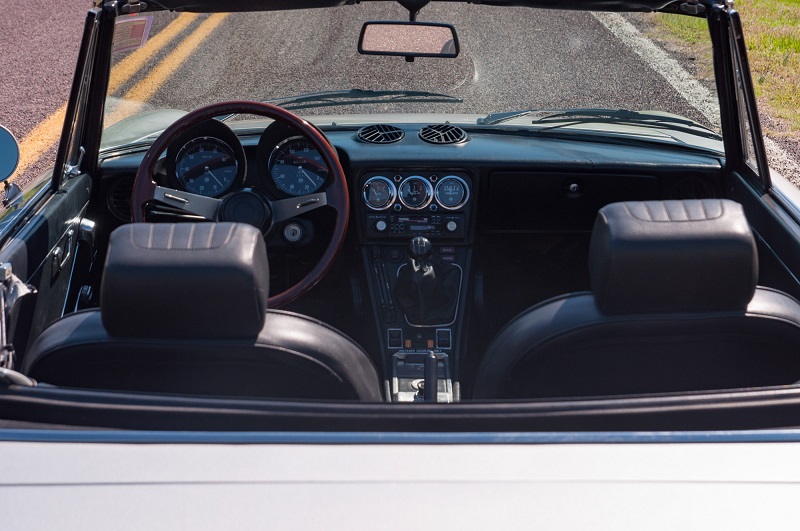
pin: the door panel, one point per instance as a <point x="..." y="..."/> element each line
<point x="42" y="255"/>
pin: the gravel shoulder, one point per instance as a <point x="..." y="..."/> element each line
<point x="781" y="142"/>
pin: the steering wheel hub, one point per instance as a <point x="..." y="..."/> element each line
<point x="247" y="206"/>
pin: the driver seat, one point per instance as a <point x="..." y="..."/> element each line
<point x="183" y="309"/>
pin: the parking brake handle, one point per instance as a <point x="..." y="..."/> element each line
<point x="431" y="377"/>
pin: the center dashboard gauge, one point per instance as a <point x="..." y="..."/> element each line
<point x="296" y="167"/>
<point x="415" y="192"/>
<point x="379" y="192"/>
<point x="451" y="192"/>
<point x="206" y="166"/>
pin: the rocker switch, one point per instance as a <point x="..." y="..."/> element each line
<point x="395" y="338"/>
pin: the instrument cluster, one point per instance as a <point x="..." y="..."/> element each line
<point x="416" y="192"/>
<point x="415" y="203"/>
<point x="209" y="160"/>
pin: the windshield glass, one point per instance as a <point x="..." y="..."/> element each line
<point x="511" y="59"/>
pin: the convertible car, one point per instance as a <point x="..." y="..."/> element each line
<point x="408" y="234"/>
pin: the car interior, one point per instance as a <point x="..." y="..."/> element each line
<point x="427" y="275"/>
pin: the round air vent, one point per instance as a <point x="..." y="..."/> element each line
<point x="443" y="134"/>
<point x="380" y="134"/>
<point x="119" y="198"/>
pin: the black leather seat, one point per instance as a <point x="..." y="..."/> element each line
<point x="184" y="310"/>
<point x="674" y="307"/>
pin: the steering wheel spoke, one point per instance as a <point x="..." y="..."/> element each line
<point x="294" y="206"/>
<point x="206" y="207"/>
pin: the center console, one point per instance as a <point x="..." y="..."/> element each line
<point x="416" y="230"/>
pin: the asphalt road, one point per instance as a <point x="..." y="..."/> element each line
<point x="39" y="52"/>
<point x="562" y="59"/>
<point x="559" y="60"/>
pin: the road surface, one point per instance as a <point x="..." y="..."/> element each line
<point x="569" y="59"/>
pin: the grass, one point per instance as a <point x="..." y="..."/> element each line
<point x="772" y="34"/>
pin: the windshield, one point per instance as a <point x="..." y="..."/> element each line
<point x="511" y="60"/>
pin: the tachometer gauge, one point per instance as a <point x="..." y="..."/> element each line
<point x="296" y="167"/>
<point x="415" y="192"/>
<point x="451" y="192"/>
<point x="206" y="166"/>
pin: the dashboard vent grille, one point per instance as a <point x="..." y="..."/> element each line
<point x="119" y="198"/>
<point x="443" y="134"/>
<point x="380" y="134"/>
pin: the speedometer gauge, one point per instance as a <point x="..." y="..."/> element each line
<point x="296" y="167"/>
<point x="206" y="166"/>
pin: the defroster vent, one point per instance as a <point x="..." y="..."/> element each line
<point x="443" y="134"/>
<point x="380" y="134"/>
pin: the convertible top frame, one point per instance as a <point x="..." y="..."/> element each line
<point x="205" y="6"/>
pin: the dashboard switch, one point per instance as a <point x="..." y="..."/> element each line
<point x="451" y="226"/>
<point x="380" y="226"/>
<point x="395" y="338"/>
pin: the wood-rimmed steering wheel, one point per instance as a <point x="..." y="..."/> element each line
<point x="335" y="195"/>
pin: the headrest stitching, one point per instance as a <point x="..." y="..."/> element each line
<point x="171" y="237"/>
<point x="191" y="236"/>
<point x="686" y="211"/>
<point x="649" y="212"/>
<point x="211" y="235"/>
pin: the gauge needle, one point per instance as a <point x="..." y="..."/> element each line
<point x="208" y="171"/>
<point x="311" y="176"/>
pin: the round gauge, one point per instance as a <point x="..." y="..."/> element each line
<point x="296" y="167"/>
<point x="452" y="192"/>
<point x="206" y="166"/>
<point x="379" y="192"/>
<point x="415" y="192"/>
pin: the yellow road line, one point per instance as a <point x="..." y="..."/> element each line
<point x="133" y="100"/>
<point x="44" y="136"/>
<point x="127" y="68"/>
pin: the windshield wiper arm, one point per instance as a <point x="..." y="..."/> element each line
<point x="601" y="115"/>
<point x="360" y="96"/>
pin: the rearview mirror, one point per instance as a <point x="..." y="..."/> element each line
<point x="408" y="39"/>
<point x="9" y="153"/>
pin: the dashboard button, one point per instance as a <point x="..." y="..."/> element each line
<point x="451" y="226"/>
<point x="380" y="226"/>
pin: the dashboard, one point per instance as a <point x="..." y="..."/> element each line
<point x="492" y="180"/>
<point x="508" y="215"/>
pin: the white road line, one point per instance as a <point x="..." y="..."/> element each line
<point x="690" y="89"/>
<point x="695" y="94"/>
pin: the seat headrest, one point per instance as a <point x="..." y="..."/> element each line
<point x="188" y="280"/>
<point x="672" y="256"/>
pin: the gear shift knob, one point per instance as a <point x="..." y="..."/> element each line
<point x="420" y="248"/>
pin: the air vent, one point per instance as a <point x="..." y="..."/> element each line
<point x="443" y="134"/>
<point x="119" y="198"/>
<point x="380" y="134"/>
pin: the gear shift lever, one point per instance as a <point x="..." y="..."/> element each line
<point x="427" y="289"/>
<point x="420" y="249"/>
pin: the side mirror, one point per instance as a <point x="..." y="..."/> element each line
<point x="9" y="153"/>
<point x="408" y="39"/>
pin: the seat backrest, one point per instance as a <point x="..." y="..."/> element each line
<point x="674" y="307"/>
<point x="183" y="309"/>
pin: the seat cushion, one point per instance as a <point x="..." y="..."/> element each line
<point x="292" y="357"/>
<point x="567" y="347"/>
